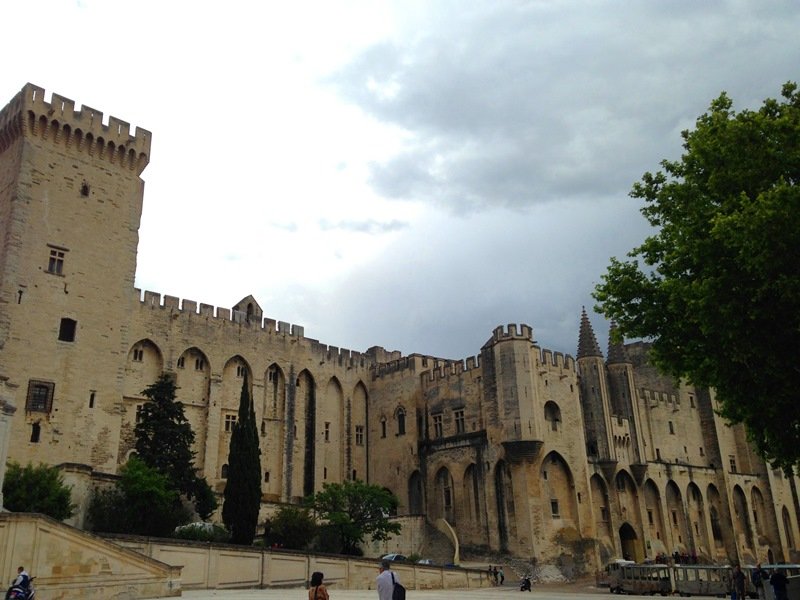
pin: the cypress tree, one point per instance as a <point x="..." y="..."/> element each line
<point x="243" y="488"/>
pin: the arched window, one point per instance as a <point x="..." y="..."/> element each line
<point x="401" y="421"/>
<point x="552" y="414"/>
<point x="224" y="474"/>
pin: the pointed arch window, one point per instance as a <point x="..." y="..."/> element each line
<point x="401" y="421"/>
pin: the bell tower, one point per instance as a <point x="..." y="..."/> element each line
<point x="70" y="206"/>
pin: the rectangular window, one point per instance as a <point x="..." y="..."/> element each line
<point x="554" y="508"/>
<point x="66" y="330"/>
<point x="327" y="432"/>
<point x="691" y="401"/>
<point x="732" y="461"/>
<point x="55" y="264"/>
<point x="702" y="452"/>
<point x="459" y="415"/>
<point x="604" y="514"/>
<point x="230" y="421"/>
<point x="437" y="426"/>
<point x="199" y="364"/>
<point x="650" y="516"/>
<point x="240" y="370"/>
<point x="674" y="517"/>
<point x="40" y="396"/>
<point x="181" y="362"/>
<point x="91" y="399"/>
<point x="138" y="355"/>
<point x="359" y="435"/>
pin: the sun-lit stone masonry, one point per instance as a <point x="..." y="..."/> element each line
<point x="519" y="448"/>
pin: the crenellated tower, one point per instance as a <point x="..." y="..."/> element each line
<point x="70" y="205"/>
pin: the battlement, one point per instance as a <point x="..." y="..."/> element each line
<point x="84" y="130"/>
<point x="510" y="332"/>
<point x="443" y="370"/>
<point x="334" y="354"/>
<point x="548" y="358"/>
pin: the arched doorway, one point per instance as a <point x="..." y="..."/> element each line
<point x="631" y="549"/>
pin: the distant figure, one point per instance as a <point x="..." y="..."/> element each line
<point x="317" y="591"/>
<point x="738" y="583"/>
<point x="494" y="574"/>
<point x="501" y="575"/>
<point x="525" y="584"/>
<point x="491" y="575"/>
<point x="385" y="581"/>
<point x="758" y="576"/>
<point x="778" y="581"/>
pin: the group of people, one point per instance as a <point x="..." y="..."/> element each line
<point x="384" y="582"/>
<point x="759" y="577"/>
<point x="496" y="576"/>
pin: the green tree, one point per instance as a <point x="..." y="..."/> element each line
<point x="38" y="489"/>
<point x="290" y="527"/>
<point x="718" y="290"/>
<point x="164" y="439"/>
<point x="243" y="488"/>
<point x="352" y="510"/>
<point x="143" y="502"/>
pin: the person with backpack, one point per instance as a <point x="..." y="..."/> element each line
<point x="388" y="584"/>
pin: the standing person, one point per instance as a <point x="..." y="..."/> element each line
<point x="738" y="583"/>
<point x="491" y="575"/>
<point x="385" y="581"/>
<point x="779" y="581"/>
<point x="494" y="575"/>
<point x="317" y="591"/>
<point x="501" y="575"/>
<point x="757" y="577"/>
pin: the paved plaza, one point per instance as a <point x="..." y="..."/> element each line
<point x="571" y="592"/>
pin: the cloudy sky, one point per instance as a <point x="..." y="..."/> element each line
<point x="403" y="174"/>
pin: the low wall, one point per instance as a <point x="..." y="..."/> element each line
<point x="68" y="562"/>
<point x="223" y="566"/>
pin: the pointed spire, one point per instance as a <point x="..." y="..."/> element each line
<point x="587" y="342"/>
<point x="616" y="351"/>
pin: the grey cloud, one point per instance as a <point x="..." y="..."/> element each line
<point x="369" y="226"/>
<point x="514" y="104"/>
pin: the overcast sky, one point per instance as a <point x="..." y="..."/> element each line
<point x="401" y="174"/>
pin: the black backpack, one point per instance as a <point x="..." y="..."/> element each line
<point x="399" y="592"/>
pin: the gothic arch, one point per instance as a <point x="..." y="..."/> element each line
<point x="787" y="527"/>
<point x="143" y="367"/>
<point x="697" y="521"/>
<point x="416" y="494"/>
<point x="557" y="488"/>
<point x="444" y="496"/>
<point x="601" y="508"/>
<point x="274" y="404"/>
<point x="655" y="517"/>
<point x="742" y="517"/>
<point x="330" y="414"/>
<point x="552" y="415"/>
<point x="305" y="420"/>
<point x="471" y="494"/>
<point x="676" y="515"/>
<point x="629" y="541"/>
<point x="193" y="380"/>
<point x="504" y="495"/>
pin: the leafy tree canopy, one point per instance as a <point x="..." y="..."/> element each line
<point x="143" y="502"/>
<point x="354" y="510"/>
<point x="243" y="488"/>
<point x="290" y="527"/>
<point x="37" y="489"/>
<point x="718" y="287"/>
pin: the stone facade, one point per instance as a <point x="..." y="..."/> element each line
<point x="519" y="449"/>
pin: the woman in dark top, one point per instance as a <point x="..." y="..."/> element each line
<point x="317" y="591"/>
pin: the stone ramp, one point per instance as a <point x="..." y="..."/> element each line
<point x="68" y="562"/>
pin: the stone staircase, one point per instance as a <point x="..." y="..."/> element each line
<point x="437" y="546"/>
